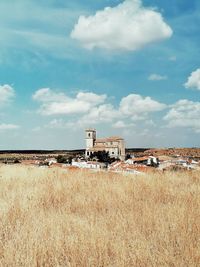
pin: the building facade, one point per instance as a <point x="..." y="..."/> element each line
<point x="114" y="145"/>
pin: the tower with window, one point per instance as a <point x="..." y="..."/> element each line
<point x="90" y="137"/>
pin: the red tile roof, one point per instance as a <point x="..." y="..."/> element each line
<point x="140" y="159"/>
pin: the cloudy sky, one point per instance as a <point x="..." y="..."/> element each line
<point x="129" y="68"/>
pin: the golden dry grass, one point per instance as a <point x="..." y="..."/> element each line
<point x="51" y="217"/>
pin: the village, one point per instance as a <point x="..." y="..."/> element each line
<point x="109" y="154"/>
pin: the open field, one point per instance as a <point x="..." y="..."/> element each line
<point x="55" y="217"/>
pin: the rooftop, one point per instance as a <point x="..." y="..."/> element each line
<point x="90" y="130"/>
<point x="109" y="139"/>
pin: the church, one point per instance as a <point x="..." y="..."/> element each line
<point x="114" y="145"/>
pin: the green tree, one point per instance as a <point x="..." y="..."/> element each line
<point x="102" y="156"/>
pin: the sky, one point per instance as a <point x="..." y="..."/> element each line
<point x="129" y="68"/>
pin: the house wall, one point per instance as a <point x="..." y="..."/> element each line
<point x="86" y="165"/>
<point x="113" y="152"/>
<point x="122" y="152"/>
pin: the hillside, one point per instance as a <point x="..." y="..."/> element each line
<point x="184" y="152"/>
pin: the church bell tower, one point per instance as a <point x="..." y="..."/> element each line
<point x="90" y="139"/>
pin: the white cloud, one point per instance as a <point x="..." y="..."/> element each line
<point x="57" y="103"/>
<point x="193" y="80"/>
<point x="88" y="108"/>
<point x="47" y="95"/>
<point x="184" y="113"/>
<point x="128" y="26"/>
<point x="150" y="123"/>
<point x="36" y="129"/>
<point x="92" y="98"/>
<point x="6" y="94"/>
<point x="103" y="113"/>
<point x="138" y="107"/>
<point x="157" y="77"/>
<point x="59" y="124"/>
<point x="131" y="107"/>
<point x="4" y="127"/>
<point x="122" y="125"/>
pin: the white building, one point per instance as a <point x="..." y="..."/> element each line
<point x="114" y="145"/>
<point x="88" y="165"/>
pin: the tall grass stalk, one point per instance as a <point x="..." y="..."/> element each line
<point x="55" y="217"/>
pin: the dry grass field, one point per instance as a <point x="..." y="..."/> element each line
<point x="55" y="217"/>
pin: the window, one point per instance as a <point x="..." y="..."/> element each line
<point x="113" y="153"/>
<point x="89" y="135"/>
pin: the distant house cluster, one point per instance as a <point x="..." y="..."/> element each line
<point x="114" y="145"/>
<point x="108" y="154"/>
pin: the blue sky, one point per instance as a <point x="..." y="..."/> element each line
<point x="128" y="68"/>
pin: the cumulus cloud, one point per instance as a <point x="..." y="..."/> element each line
<point x="157" y="77"/>
<point x="87" y="107"/>
<point x="128" y="26"/>
<point x="4" y="127"/>
<point x="58" y="103"/>
<point x="59" y="124"/>
<point x="6" y="94"/>
<point x="138" y="107"/>
<point x="122" y="125"/>
<point x="184" y="113"/>
<point x="102" y="113"/>
<point x="193" y="81"/>
<point x="47" y="95"/>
